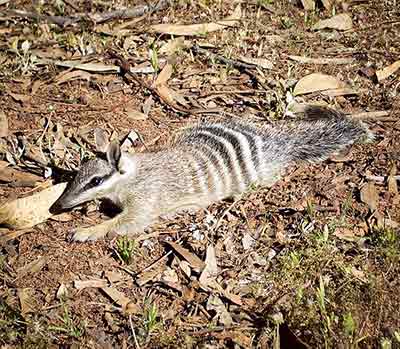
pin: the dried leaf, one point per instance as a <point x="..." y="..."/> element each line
<point x="247" y="241"/>
<point x="91" y="67"/>
<point x="342" y="21"/>
<point x="118" y="297"/>
<point x="392" y="182"/>
<point x="166" y="94"/>
<point x="19" y="97"/>
<point x="18" y="178"/>
<point x="32" y="267"/>
<point x="320" y="61"/>
<point x="7" y="235"/>
<point x="309" y="5"/>
<point x="134" y="114"/>
<point x="173" y="46"/>
<point x="150" y="275"/>
<point x="369" y="195"/>
<point x="199" y="29"/>
<point x="370" y="72"/>
<point x="62" y="291"/>
<point x="210" y="271"/>
<point x="35" y="86"/>
<point x="96" y="283"/>
<point x="62" y="217"/>
<point x="3" y="164"/>
<point x="359" y="274"/>
<point x="316" y="82"/>
<point x="260" y="62"/>
<point x="164" y="75"/>
<point x="114" y="276"/>
<point x="346" y="91"/>
<point x="148" y="104"/>
<point x="29" y="211"/>
<point x="348" y="234"/>
<point x="3" y="124"/>
<point x="215" y="303"/>
<point x="72" y="75"/>
<point x="185" y="267"/>
<point x="169" y="275"/>
<point x="384" y="73"/>
<point x="243" y="340"/>
<point x="234" y="298"/>
<point x="26" y="300"/>
<point x="195" y="262"/>
<point x="328" y="4"/>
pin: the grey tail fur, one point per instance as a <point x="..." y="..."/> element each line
<point x="322" y="132"/>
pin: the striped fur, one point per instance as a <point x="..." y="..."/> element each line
<point x="209" y="162"/>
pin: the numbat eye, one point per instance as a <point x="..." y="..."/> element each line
<point x="96" y="181"/>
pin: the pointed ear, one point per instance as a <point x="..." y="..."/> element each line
<point x="114" y="155"/>
<point x="101" y="139"/>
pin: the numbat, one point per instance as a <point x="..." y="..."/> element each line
<point x="208" y="163"/>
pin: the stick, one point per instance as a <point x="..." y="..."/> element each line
<point x="133" y="333"/>
<point x="222" y="59"/>
<point x="65" y="21"/>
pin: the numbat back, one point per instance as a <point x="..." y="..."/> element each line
<point x="209" y="162"/>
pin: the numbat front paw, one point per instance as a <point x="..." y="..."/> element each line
<point x="88" y="234"/>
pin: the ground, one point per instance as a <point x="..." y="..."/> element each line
<point x="311" y="262"/>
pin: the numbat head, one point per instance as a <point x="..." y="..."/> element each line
<point x="209" y="162"/>
<point x="97" y="178"/>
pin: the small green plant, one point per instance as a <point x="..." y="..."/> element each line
<point x="25" y="59"/>
<point x="68" y="325"/>
<point x="12" y="324"/>
<point x="264" y="3"/>
<point x="151" y="323"/>
<point x="322" y="237"/>
<point x="326" y="318"/>
<point x="286" y="22"/>
<point x="310" y="209"/>
<point x="125" y="249"/>
<point x="154" y="57"/>
<point x="60" y="6"/>
<point x="347" y="207"/>
<point x="386" y="343"/>
<point x="349" y="325"/>
<point x="388" y="241"/>
<point x="294" y="259"/>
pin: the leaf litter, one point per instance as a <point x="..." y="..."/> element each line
<point x="189" y="279"/>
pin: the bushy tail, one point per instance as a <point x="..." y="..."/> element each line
<point x="322" y="133"/>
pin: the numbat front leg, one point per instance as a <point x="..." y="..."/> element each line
<point x="122" y="224"/>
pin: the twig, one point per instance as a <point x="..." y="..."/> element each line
<point x="97" y="18"/>
<point x="127" y="73"/>
<point x="222" y="59"/>
<point x="133" y="333"/>
<point x="71" y="4"/>
<point x="218" y="222"/>
<point x="152" y="265"/>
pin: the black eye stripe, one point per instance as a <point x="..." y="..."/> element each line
<point x="92" y="184"/>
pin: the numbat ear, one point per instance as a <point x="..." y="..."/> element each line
<point x="101" y="139"/>
<point x="114" y="155"/>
